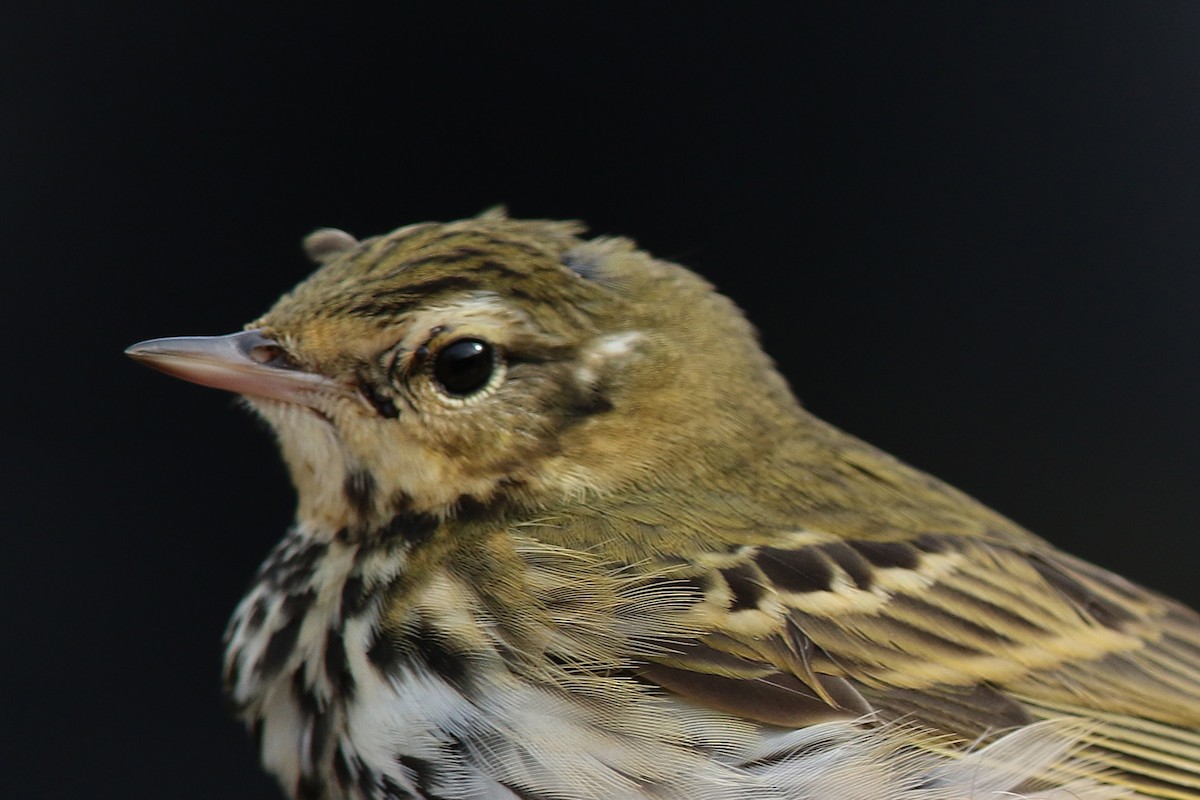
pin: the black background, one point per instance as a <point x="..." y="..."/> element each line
<point x="969" y="233"/>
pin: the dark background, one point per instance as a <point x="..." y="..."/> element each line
<point x="969" y="233"/>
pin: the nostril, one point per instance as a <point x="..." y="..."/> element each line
<point x="271" y="355"/>
<point x="264" y="350"/>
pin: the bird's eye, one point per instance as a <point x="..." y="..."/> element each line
<point x="465" y="366"/>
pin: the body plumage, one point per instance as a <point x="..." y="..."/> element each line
<point x="564" y="532"/>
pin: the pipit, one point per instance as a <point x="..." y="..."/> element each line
<point x="564" y="532"/>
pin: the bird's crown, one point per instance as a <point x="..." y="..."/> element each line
<point x="466" y="362"/>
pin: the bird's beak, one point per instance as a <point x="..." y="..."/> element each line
<point x="247" y="363"/>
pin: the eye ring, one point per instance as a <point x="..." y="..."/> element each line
<point x="465" y="367"/>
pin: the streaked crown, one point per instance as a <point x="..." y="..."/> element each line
<point x="447" y="364"/>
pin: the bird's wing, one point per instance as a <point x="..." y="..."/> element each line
<point x="966" y="635"/>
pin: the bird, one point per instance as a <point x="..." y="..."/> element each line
<point x="563" y="531"/>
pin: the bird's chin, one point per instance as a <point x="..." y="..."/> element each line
<point x="281" y="413"/>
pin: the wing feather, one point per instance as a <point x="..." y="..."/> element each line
<point x="967" y="636"/>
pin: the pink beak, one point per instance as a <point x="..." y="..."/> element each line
<point x="246" y="363"/>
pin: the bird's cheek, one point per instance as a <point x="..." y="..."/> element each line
<point x="474" y="446"/>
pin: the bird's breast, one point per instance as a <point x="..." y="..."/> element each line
<point x="333" y="704"/>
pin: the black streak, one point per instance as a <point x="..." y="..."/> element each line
<point x="383" y="405"/>
<point x="256" y="736"/>
<point x="258" y="615"/>
<point x="365" y="777"/>
<point x="744" y="585"/>
<point x="442" y="284"/>
<point x="411" y="526"/>
<point x="888" y="554"/>
<point x="445" y="259"/>
<point x="498" y="268"/>
<point x="590" y="401"/>
<point x="354" y="597"/>
<point x="431" y="646"/>
<point x="294" y="570"/>
<point x="802" y="570"/>
<point x="1099" y="608"/>
<point x="310" y="708"/>
<point x="854" y="564"/>
<point x="359" y="489"/>
<point x="310" y="787"/>
<point x="341" y="769"/>
<point x="412" y="295"/>
<point x="335" y="665"/>
<point x="469" y="508"/>
<point x="932" y="542"/>
<point x="319" y="739"/>
<point x="382" y="653"/>
<point x="304" y="696"/>
<point x="282" y="641"/>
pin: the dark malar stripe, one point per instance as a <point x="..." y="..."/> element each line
<point x="383" y="405"/>
<point x="359" y="490"/>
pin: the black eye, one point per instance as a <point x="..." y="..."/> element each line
<point x="464" y="367"/>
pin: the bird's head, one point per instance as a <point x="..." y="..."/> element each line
<point x="447" y="365"/>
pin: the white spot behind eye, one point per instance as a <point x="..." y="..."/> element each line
<point x="606" y="348"/>
<point x="618" y="344"/>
